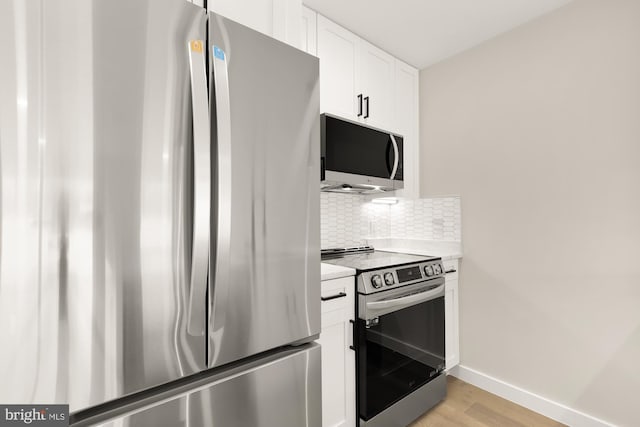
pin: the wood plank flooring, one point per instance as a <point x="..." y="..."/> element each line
<point x="470" y="406"/>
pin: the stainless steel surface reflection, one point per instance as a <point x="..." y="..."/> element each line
<point x="95" y="149"/>
<point x="266" y="137"/>
<point x="281" y="391"/>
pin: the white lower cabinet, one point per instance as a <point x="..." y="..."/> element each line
<point x="338" y="359"/>
<point x="452" y="333"/>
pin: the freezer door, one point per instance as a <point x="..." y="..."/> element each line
<point x="281" y="389"/>
<point x="265" y="265"/>
<point x="96" y="213"/>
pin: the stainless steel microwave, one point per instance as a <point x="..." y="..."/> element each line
<point x="359" y="158"/>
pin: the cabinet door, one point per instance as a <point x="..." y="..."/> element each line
<point x="255" y="14"/>
<point x="279" y="19"/>
<point x="375" y="78"/>
<point x="338" y="360"/>
<point x="308" y="30"/>
<point x="405" y="122"/>
<point x="337" y="49"/>
<point x="452" y="338"/>
<point x="286" y="21"/>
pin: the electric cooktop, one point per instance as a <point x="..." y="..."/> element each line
<point x="366" y="258"/>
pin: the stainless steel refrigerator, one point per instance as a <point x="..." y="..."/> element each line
<point x="159" y="216"/>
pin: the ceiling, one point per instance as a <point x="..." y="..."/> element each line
<point x="423" y="32"/>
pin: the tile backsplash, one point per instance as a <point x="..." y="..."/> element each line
<point x="349" y="219"/>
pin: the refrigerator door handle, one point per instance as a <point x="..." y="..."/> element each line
<point x="396" y="157"/>
<point x="201" y="189"/>
<point x="224" y="174"/>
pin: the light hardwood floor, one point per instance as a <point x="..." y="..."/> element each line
<point x="467" y="405"/>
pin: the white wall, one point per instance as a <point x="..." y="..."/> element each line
<point x="544" y="126"/>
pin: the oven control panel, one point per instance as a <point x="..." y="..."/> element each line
<point x="394" y="277"/>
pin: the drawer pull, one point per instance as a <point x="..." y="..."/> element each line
<point x="340" y="295"/>
<point x="453" y="270"/>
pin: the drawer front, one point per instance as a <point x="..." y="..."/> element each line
<point x="337" y="294"/>
<point x="451" y="264"/>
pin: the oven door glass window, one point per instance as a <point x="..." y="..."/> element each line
<point x="400" y="353"/>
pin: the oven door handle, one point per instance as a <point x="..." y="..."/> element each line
<point x="406" y="301"/>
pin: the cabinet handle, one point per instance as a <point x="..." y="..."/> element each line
<point x="359" y="105"/>
<point x="340" y="295"/>
<point x="366" y="99"/>
<point x="353" y="334"/>
<point x="453" y="270"/>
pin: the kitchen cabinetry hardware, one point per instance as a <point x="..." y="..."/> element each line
<point x="353" y="333"/>
<point x="336" y="296"/>
<point x="453" y="270"/>
<point x="359" y="105"/>
<point x="366" y="100"/>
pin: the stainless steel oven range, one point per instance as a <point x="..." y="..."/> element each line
<point x="398" y="336"/>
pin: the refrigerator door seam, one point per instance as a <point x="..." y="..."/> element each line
<point x="224" y="184"/>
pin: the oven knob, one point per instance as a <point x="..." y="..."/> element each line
<point x="437" y="269"/>
<point x="376" y="281"/>
<point x="428" y="270"/>
<point x="388" y="279"/>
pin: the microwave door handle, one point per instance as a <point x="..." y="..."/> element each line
<point x="396" y="157"/>
<point x="406" y="301"/>
<point x="220" y="289"/>
<point x="201" y="190"/>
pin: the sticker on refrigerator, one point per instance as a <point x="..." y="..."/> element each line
<point x="218" y="53"/>
<point x="196" y="46"/>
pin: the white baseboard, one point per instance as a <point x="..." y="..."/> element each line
<point x="539" y="404"/>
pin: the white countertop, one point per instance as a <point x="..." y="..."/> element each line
<point x="330" y="271"/>
<point x="445" y="249"/>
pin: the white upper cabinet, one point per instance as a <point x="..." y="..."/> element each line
<point x="356" y="76"/>
<point x="374" y="80"/>
<point x="363" y="83"/>
<point x="308" y="30"/>
<point x="405" y="120"/>
<point x="279" y="19"/>
<point x="286" y="21"/>
<point x="337" y="50"/>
